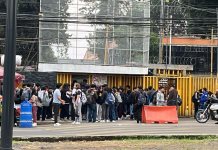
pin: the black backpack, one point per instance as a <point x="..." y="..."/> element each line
<point x="194" y="100"/>
<point x="141" y="99"/>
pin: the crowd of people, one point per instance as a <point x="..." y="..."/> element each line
<point x="92" y="103"/>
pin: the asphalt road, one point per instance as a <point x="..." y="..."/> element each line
<point x="120" y="128"/>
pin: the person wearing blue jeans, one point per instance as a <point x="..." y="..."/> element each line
<point x="112" y="112"/>
<point x="92" y="109"/>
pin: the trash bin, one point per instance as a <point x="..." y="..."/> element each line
<point x="26" y="114"/>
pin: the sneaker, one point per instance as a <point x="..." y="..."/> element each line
<point x="52" y="119"/>
<point x="119" y="119"/>
<point x="15" y="124"/>
<point x="102" y="120"/>
<point x="108" y="121"/>
<point x="113" y="121"/>
<point x="57" y="124"/>
<point x="34" y="124"/>
<point x="78" y="123"/>
<point x="74" y="122"/>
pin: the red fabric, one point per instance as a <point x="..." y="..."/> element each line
<point x="159" y="114"/>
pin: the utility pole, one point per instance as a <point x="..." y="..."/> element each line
<point x="161" y="32"/>
<point x="211" y="54"/>
<point x="9" y="77"/>
<point x="170" y="49"/>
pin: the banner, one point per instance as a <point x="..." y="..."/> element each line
<point x="99" y="80"/>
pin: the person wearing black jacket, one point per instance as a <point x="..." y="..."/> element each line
<point x="65" y="95"/>
<point x="99" y="102"/>
<point x="91" y="103"/>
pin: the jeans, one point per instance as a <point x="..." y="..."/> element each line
<point x="104" y="112"/>
<point x="92" y="112"/>
<point x="112" y="115"/>
<point x="99" y="112"/>
<point x="56" y="111"/>
<point x="78" y="112"/>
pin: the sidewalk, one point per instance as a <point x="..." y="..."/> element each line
<point x="120" y="128"/>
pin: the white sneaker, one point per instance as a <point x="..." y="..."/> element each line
<point x="108" y="121"/>
<point x="113" y="121"/>
<point x="57" y="124"/>
<point x="74" y="122"/>
<point x="102" y="120"/>
<point x="52" y="119"/>
<point x="34" y="124"/>
<point x="77" y="122"/>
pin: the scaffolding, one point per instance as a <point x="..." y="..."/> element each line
<point x="100" y="32"/>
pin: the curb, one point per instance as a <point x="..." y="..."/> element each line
<point x="109" y="138"/>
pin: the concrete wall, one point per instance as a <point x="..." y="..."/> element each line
<point x="44" y="78"/>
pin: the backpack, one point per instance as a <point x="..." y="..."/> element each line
<point x="194" y="100"/>
<point x="109" y="99"/>
<point x="83" y="98"/>
<point x="152" y="97"/>
<point x="25" y="94"/>
<point x="46" y="100"/>
<point x="179" y="100"/>
<point x="141" y="99"/>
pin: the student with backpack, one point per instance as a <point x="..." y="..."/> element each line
<point x="141" y="101"/>
<point x="91" y="103"/>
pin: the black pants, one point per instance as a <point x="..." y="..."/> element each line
<point x="45" y="110"/>
<point x="196" y="106"/>
<point x="138" y="112"/>
<point x="39" y="113"/>
<point x="65" y="111"/>
<point x="49" y="112"/>
<point x="56" y="111"/>
<point x="15" y="117"/>
<point x="72" y="113"/>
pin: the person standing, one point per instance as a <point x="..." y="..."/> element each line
<point x="78" y="104"/>
<point x="160" y="97"/>
<point x="196" y="101"/>
<point x="172" y="97"/>
<point x="105" y="108"/>
<point x="141" y="101"/>
<point x="91" y="103"/>
<point x="99" y="103"/>
<point x="34" y="100"/>
<point x="45" y="102"/>
<point x="57" y="101"/>
<point x="65" y="95"/>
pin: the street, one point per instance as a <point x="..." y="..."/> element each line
<point x="120" y="128"/>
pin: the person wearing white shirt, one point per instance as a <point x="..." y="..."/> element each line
<point x="160" y="96"/>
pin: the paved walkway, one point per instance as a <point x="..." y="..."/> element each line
<point x="120" y="128"/>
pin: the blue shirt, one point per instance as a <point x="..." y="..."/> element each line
<point x="57" y="93"/>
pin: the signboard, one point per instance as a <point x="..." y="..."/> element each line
<point x="163" y="82"/>
<point x="99" y="80"/>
